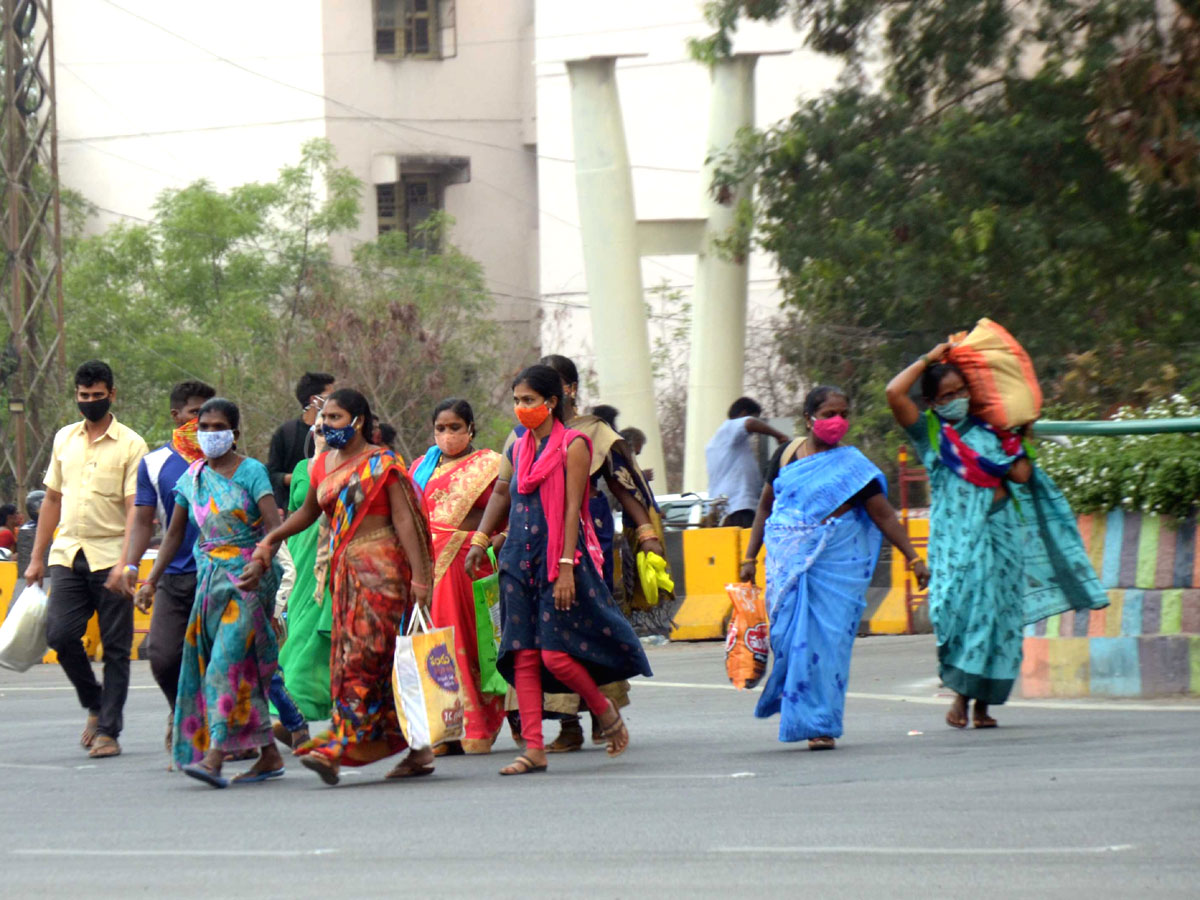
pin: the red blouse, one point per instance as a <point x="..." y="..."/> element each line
<point x="379" y="506"/>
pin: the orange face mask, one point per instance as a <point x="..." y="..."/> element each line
<point x="532" y="417"/>
<point x="184" y="440"/>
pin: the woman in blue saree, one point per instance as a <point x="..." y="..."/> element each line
<point x="229" y="652"/>
<point x="1003" y="543"/>
<point x="823" y="513"/>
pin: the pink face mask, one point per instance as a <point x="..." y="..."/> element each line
<point x="452" y="443"/>
<point x="830" y="431"/>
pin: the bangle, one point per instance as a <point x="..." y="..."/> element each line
<point x="752" y="560"/>
<point x="418" y="584"/>
<point x="925" y="359"/>
<point x="566" y="562"/>
<point x="480" y="540"/>
<point x="646" y="533"/>
<point x="133" y="566"/>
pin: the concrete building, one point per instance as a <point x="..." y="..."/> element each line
<point x="429" y="102"/>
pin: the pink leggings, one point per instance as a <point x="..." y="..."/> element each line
<point x="528" y="677"/>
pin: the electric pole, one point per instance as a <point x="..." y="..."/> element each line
<point x="33" y="361"/>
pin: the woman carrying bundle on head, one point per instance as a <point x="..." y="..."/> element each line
<point x="380" y="564"/>
<point x="456" y="481"/>
<point x="822" y="513"/>
<point x="562" y="629"/>
<point x="1003" y="545"/>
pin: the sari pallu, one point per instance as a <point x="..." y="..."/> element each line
<point x="996" y="564"/>
<point x="450" y="495"/>
<point x="818" y="572"/>
<point x="370" y="593"/>
<point x="229" y="649"/>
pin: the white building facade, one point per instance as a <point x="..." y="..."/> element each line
<point x="429" y="102"/>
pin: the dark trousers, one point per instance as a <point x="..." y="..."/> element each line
<point x="76" y="592"/>
<point x="173" y="601"/>
<point x="742" y="518"/>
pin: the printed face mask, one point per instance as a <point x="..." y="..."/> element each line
<point x="532" y="417"/>
<point x="337" y="438"/>
<point x="185" y="441"/>
<point x="94" y="410"/>
<point x="452" y="443"/>
<point x="830" y="431"/>
<point x="954" y="411"/>
<point x="215" y="444"/>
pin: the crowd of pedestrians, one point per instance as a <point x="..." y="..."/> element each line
<point x="337" y="530"/>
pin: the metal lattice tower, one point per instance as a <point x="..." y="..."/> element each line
<point x="33" y="360"/>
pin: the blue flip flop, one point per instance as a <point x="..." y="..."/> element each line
<point x="257" y="777"/>
<point x="201" y="773"/>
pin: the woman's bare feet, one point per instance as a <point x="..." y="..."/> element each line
<point x="957" y="716"/>
<point x="981" y="717"/>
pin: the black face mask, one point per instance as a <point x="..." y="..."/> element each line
<point x="94" y="410"/>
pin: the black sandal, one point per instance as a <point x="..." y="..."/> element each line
<point x="527" y="767"/>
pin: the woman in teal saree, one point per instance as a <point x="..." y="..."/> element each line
<point x="1003" y="544"/>
<point x="823" y="514"/>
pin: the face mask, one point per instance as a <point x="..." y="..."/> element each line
<point x="954" y="411"/>
<point x="185" y="441"/>
<point x="215" y="444"/>
<point x="830" y="431"/>
<point x="452" y="443"/>
<point x="532" y="417"/>
<point x="337" y="438"/>
<point x="94" y="410"/>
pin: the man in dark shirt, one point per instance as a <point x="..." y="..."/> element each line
<point x="290" y="440"/>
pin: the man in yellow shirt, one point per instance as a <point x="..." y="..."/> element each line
<point x="90" y="488"/>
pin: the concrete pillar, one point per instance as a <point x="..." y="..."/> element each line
<point x="718" y="354"/>
<point x="611" y="255"/>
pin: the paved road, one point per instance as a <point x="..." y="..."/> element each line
<point x="1095" y="799"/>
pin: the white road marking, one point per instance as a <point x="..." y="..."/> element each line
<point x="928" y="851"/>
<point x="665" y="776"/>
<point x="188" y="852"/>
<point x="66" y="687"/>
<point x="1105" y="705"/>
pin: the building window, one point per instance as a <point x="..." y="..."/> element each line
<point x="406" y="28"/>
<point x="406" y="206"/>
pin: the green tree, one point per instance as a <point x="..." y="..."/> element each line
<point x="977" y="170"/>
<point x="239" y="288"/>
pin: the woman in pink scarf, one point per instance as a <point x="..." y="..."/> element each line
<point x="562" y="631"/>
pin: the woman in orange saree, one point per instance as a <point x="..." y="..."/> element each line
<point x="456" y="481"/>
<point x="380" y="565"/>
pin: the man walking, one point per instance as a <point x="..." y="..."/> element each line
<point x="290" y="439"/>
<point x="732" y="470"/>
<point x="156" y="477"/>
<point x="90" y="488"/>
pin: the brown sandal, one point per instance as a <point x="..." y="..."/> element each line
<point x="88" y="736"/>
<point x="328" y="771"/>
<point x="523" y="765"/>
<point x="821" y="743"/>
<point x="104" y="747"/>
<point x="616" y="735"/>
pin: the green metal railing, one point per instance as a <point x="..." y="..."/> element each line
<point x="1116" y="427"/>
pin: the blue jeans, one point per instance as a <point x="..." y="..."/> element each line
<point x="286" y="707"/>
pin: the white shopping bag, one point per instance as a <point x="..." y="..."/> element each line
<point x="425" y="684"/>
<point x="23" y="634"/>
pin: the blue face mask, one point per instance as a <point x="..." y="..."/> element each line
<point x="954" y="411"/>
<point x="215" y="444"/>
<point x="337" y="438"/>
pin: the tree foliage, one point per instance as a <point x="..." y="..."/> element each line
<point x="987" y="158"/>
<point x="239" y="288"/>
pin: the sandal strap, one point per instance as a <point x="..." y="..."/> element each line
<point x="614" y="728"/>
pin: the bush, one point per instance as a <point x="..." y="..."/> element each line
<point x="1157" y="473"/>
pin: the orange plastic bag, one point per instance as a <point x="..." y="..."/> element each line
<point x="748" y="642"/>
<point x="1004" y="386"/>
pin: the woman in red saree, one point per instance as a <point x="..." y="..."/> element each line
<point x="381" y="563"/>
<point x="456" y="481"/>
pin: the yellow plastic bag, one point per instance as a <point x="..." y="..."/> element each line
<point x="652" y="573"/>
<point x="426" y="685"/>
<point x="748" y="643"/>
